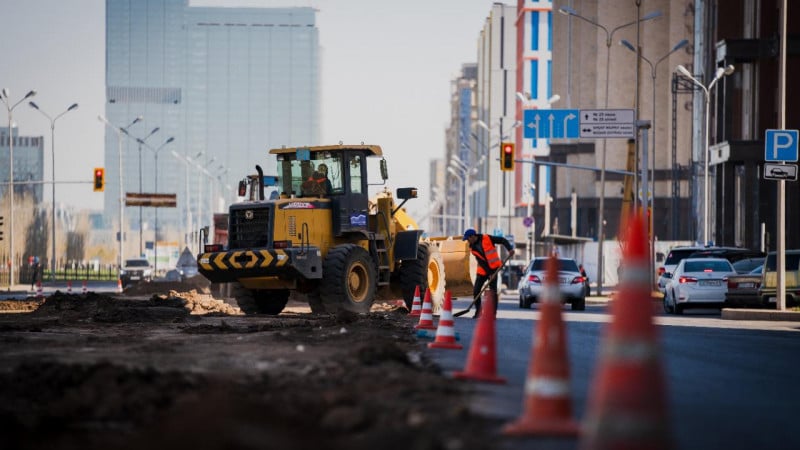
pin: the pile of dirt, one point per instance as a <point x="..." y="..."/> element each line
<point x="197" y="283"/>
<point x="181" y="370"/>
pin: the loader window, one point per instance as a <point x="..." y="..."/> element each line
<point x="355" y="174"/>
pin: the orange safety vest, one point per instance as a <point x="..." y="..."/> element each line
<point x="489" y="255"/>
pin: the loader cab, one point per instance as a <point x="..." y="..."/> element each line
<point x="347" y="173"/>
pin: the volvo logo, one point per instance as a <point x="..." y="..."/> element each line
<point x="248" y="214"/>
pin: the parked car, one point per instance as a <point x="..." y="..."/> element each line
<point x="675" y="255"/>
<point x="570" y="282"/>
<point x="747" y="265"/>
<point x="769" y="279"/>
<point x="697" y="282"/>
<point x="743" y="289"/>
<point x="512" y="273"/>
<point x="136" y="270"/>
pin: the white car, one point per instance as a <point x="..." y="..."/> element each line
<point x="674" y="257"/>
<point x="697" y="282"/>
<point x="571" y="283"/>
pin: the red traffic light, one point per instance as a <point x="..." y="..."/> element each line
<point x="508" y="148"/>
<point x="99" y="179"/>
<point x="507" y="156"/>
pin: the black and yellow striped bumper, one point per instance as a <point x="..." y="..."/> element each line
<point x="220" y="267"/>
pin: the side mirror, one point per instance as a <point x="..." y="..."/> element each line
<point x="668" y="275"/>
<point x="384" y="170"/>
<point x="406" y="193"/>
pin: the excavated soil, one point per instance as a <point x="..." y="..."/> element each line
<point x="186" y="370"/>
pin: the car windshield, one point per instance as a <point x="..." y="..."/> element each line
<point x="711" y="265"/>
<point x="564" y="265"/>
<point x="757" y="270"/>
<point x="677" y="255"/>
<point x="137" y="263"/>
<point x="790" y="262"/>
<point x="294" y="172"/>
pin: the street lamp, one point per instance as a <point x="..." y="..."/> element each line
<point x="653" y="73"/>
<point x="721" y="72"/>
<point x="4" y="97"/>
<point x="141" y="142"/>
<point x="53" y="154"/>
<point x="120" y="131"/>
<point x="155" y="239"/>
<point x="601" y="210"/>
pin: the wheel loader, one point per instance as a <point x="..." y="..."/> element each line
<point x="329" y="243"/>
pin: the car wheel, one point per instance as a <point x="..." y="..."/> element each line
<point x="667" y="308"/>
<point x="578" y="304"/>
<point x="678" y="309"/>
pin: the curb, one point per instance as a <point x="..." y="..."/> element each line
<point x="760" y="314"/>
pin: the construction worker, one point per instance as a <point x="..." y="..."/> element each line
<point x="318" y="183"/>
<point x="483" y="246"/>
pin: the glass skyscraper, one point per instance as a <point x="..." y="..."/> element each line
<point x="227" y="84"/>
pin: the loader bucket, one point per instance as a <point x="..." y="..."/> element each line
<point x="459" y="265"/>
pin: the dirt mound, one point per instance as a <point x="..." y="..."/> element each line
<point x="105" y="372"/>
<point x="197" y="283"/>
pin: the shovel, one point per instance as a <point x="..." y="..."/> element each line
<point x="485" y="285"/>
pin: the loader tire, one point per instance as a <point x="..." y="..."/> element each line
<point x="260" y="301"/>
<point x="427" y="272"/>
<point x="349" y="279"/>
<point x="315" y="302"/>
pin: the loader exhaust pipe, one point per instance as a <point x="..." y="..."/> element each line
<point x="260" y="182"/>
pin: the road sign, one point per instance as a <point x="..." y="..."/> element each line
<point x="528" y="221"/>
<point x="780" y="145"/>
<point x="551" y="123"/>
<point x="780" y="172"/>
<point x="156" y="200"/>
<point x="607" y="123"/>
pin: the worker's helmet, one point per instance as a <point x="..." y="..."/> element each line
<point x="322" y="168"/>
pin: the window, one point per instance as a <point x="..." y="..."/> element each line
<point x="355" y="174"/>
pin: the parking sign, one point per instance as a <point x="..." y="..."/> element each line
<point x="780" y="145"/>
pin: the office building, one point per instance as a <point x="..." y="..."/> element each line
<point x="28" y="164"/>
<point x="227" y="84"/>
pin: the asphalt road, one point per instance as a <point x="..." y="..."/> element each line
<point x="731" y="384"/>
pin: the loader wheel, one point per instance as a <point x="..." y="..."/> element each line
<point x="348" y="280"/>
<point x="260" y="301"/>
<point x="315" y="302"/>
<point x="427" y="272"/>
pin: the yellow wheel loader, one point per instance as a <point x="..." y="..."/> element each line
<point x="324" y="238"/>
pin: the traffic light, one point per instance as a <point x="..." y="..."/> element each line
<point x="99" y="179"/>
<point x="507" y="156"/>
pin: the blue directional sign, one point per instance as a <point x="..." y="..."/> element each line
<point x="552" y="123"/>
<point x="780" y="145"/>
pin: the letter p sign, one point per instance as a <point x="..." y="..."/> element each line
<point x="780" y="145"/>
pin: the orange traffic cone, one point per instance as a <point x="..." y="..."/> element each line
<point x="39" y="289"/>
<point x="69" y="287"/>
<point x="446" y="333"/>
<point x="416" y="306"/>
<point x="482" y="360"/>
<point x="548" y="404"/>
<point x="84" y="290"/>
<point x="426" y="318"/>
<point x="119" y="285"/>
<point x="628" y="401"/>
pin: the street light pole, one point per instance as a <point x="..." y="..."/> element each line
<point x="141" y="142"/>
<point x="120" y="131"/>
<point x="53" y="154"/>
<point x="155" y="238"/>
<point x="10" y="108"/>
<point x="721" y="72"/>
<point x="601" y="210"/>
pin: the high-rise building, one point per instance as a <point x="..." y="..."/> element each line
<point x="227" y="84"/>
<point x="28" y="163"/>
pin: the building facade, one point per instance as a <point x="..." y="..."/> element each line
<point x="28" y="164"/>
<point x="227" y="84"/>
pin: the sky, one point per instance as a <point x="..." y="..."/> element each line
<point x="386" y="73"/>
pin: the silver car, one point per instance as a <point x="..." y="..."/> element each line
<point x="698" y="282"/>
<point x="570" y="283"/>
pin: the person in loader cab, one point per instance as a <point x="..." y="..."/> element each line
<point x="318" y="183"/>
<point x="483" y="247"/>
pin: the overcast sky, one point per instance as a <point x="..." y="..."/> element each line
<point x="386" y="72"/>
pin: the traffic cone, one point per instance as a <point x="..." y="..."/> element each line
<point x="426" y="318"/>
<point x="446" y="333"/>
<point x="628" y="400"/>
<point x="84" y="290"/>
<point x="69" y="287"/>
<point x="482" y="360"/>
<point x="548" y="404"/>
<point x="39" y="289"/>
<point x="416" y="306"/>
<point x="119" y="285"/>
